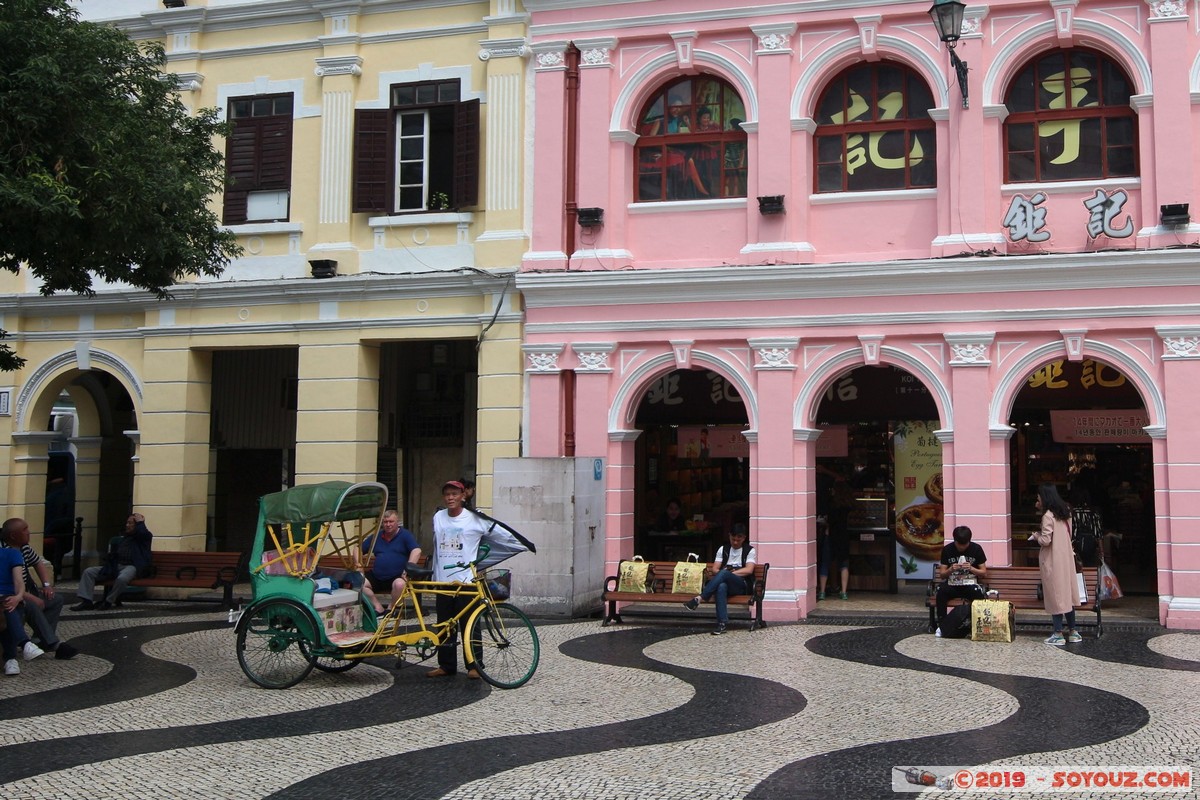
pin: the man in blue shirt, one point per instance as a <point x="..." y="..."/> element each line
<point x="395" y="549"/>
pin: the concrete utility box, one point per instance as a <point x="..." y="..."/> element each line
<point x="558" y="504"/>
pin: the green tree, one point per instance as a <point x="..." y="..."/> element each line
<point x="103" y="171"/>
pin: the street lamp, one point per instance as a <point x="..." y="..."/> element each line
<point x="948" y="16"/>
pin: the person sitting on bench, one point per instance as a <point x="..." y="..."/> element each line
<point x="962" y="566"/>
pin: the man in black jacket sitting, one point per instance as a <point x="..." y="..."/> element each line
<point x="131" y="560"/>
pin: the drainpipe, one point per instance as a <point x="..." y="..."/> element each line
<point x="571" y="209"/>
<point x="571" y="132"/>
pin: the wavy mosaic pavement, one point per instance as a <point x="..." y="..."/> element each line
<point x="157" y="707"/>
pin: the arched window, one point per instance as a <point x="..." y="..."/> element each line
<point x="691" y="145"/>
<point x="874" y="131"/>
<point x="1069" y="118"/>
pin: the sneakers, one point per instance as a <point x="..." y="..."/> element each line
<point x="693" y="604"/>
<point x="820" y="595"/>
<point x="937" y="632"/>
<point x="83" y="605"/>
<point x="31" y="651"/>
<point x="65" y="651"/>
<point x="11" y="667"/>
<point x="1056" y="639"/>
<point x="1074" y="636"/>
<point x="720" y="629"/>
<point x="843" y="596"/>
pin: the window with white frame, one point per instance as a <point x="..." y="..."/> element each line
<point x="420" y="154"/>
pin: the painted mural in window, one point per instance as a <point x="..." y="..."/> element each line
<point x="874" y="131"/>
<point x="691" y="144"/>
<point x="1069" y="118"/>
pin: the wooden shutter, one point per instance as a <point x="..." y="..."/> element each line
<point x="275" y="153"/>
<point x="373" y="161"/>
<point x="241" y="158"/>
<point x="466" y="154"/>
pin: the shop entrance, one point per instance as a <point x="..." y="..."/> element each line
<point x="1079" y="426"/>
<point x="878" y="466"/>
<point x="693" y="466"/>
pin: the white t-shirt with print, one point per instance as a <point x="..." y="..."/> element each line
<point x="455" y="540"/>
<point x="735" y="557"/>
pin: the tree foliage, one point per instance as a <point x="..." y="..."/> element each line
<point x="103" y="171"/>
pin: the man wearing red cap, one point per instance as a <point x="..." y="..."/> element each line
<point x="456" y="537"/>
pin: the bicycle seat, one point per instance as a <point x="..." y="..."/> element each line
<point x="417" y="573"/>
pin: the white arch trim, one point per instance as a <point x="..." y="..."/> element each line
<point x="1001" y="64"/>
<point x="636" y="379"/>
<point x="1007" y="387"/>
<point x="636" y="83"/>
<point x="810" y="394"/>
<point x="67" y="360"/>
<point x="808" y="87"/>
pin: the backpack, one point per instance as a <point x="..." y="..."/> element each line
<point x="957" y="624"/>
<point x="724" y="553"/>
<point x="1086" y="533"/>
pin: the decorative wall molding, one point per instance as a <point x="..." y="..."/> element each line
<point x="1073" y="340"/>
<point x="328" y="66"/>
<point x="870" y="348"/>
<point x="774" y="38"/>
<point x="1179" y="342"/>
<point x="685" y="42"/>
<point x="683" y="352"/>
<point x="593" y="357"/>
<point x="970" y="349"/>
<point x="1167" y="9"/>
<point x="542" y="358"/>
<point x="503" y="48"/>
<point x="774" y="354"/>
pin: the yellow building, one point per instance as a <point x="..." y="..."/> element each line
<point x="370" y="331"/>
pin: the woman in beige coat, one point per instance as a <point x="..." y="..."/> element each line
<point x="1057" y="562"/>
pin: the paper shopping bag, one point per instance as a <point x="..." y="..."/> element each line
<point x="1081" y="589"/>
<point x="635" y="576"/>
<point x="992" y="621"/>
<point x="689" y="576"/>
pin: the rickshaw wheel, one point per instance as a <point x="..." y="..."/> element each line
<point x="327" y="663"/>
<point x="504" y="645"/>
<point x="271" y="640"/>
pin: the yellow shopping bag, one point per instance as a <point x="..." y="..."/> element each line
<point x="992" y="621"/>
<point x="689" y="576"/>
<point x="635" y="576"/>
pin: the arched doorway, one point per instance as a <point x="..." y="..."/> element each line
<point x="91" y="423"/>
<point x="692" y="454"/>
<point x="1079" y="425"/>
<point x="878" y="466"/>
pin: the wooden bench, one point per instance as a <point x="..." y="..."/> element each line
<point x="1019" y="586"/>
<point x="175" y="569"/>
<point x="660" y="577"/>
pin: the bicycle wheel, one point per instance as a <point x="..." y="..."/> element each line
<point x="269" y="638"/>
<point x="328" y="663"/>
<point x="503" y="644"/>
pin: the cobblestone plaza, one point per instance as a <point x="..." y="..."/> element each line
<point x="156" y="706"/>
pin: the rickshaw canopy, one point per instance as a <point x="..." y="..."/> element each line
<point x="331" y="501"/>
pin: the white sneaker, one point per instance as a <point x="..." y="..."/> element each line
<point x="937" y="632"/>
<point x="11" y="667"/>
<point x="31" y="651"/>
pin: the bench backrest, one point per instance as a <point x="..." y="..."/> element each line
<point x="1021" y="583"/>
<point x="664" y="575"/>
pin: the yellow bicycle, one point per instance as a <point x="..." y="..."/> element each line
<point x="296" y="623"/>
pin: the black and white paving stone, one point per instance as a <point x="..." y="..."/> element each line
<point x="156" y="706"/>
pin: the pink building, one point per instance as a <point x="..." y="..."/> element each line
<point x="793" y="230"/>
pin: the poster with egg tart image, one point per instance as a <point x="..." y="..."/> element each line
<point x="920" y="528"/>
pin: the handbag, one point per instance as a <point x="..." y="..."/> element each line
<point x="635" y="576"/>
<point x="1107" y="585"/>
<point x="688" y="576"/>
